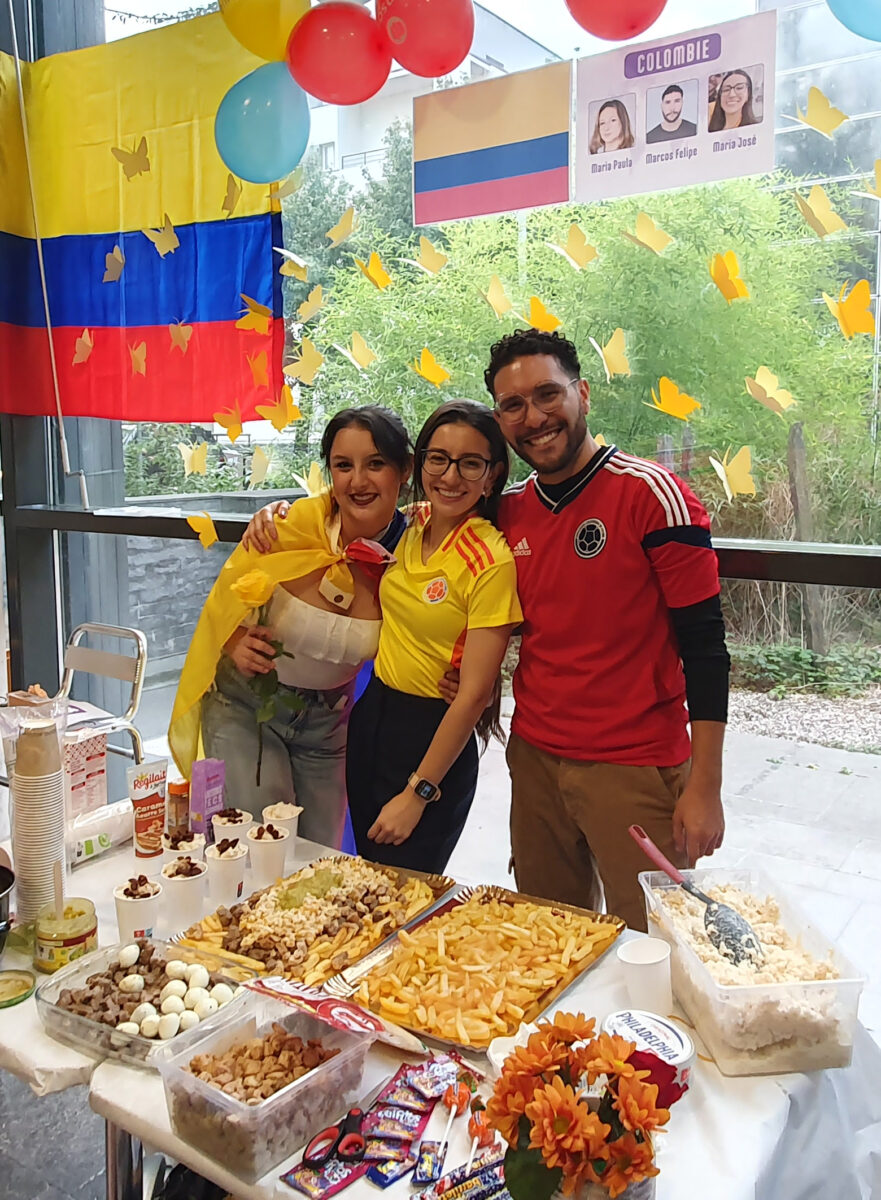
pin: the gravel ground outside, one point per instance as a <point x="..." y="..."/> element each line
<point x="845" y="723"/>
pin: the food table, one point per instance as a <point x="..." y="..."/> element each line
<point x="755" y="1138"/>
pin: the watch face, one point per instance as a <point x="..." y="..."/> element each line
<point x="424" y="789"/>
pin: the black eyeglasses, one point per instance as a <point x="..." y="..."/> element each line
<point x="546" y="397"/>
<point x="470" y="466"/>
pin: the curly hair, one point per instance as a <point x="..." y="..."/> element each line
<point x="525" y="342"/>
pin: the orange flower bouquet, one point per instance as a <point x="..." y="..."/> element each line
<point x="575" y="1111"/>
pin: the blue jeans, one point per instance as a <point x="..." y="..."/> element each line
<point x="304" y="754"/>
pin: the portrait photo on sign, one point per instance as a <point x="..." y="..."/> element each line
<point x="671" y="111"/>
<point x="612" y="122"/>
<point x="736" y="98"/>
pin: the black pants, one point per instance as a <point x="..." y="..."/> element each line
<point x="389" y="732"/>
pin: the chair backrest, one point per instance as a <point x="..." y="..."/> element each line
<point x="128" y="668"/>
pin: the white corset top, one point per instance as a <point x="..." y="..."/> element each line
<point x="328" y="647"/>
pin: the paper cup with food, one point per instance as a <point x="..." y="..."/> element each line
<point x="284" y="816"/>
<point x="176" y="844"/>
<point x="226" y="870"/>
<point x="231" y="823"/>
<point x="183" y="886"/>
<point x="267" y="847"/>
<point x="137" y="907"/>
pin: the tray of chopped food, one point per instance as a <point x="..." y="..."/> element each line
<point x="322" y="919"/>
<point x="793" y="1009"/>
<point x="485" y="961"/>
<point x="131" y="1001"/>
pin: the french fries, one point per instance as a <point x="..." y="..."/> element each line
<point x="479" y="969"/>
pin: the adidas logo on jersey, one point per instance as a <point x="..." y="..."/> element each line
<point x="522" y="549"/>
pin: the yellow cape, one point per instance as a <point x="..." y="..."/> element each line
<point x="306" y="542"/>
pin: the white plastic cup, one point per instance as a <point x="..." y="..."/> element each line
<point x="239" y="829"/>
<point x="646" y="965"/>
<point x="136" y="917"/>
<point x="267" y="857"/>
<point x="196" y="850"/>
<point x="226" y="876"/>
<point x="184" y="898"/>
<point x="288" y="823"/>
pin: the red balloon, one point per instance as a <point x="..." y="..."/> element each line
<point x="428" y="37"/>
<point x="616" y="20"/>
<point x="339" y="54"/>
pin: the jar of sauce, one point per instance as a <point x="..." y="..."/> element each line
<point x="177" y="807"/>
<point x="60" y="940"/>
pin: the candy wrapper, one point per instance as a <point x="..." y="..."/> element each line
<point x="430" y="1162"/>
<point x="392" y="1124"/>
<point x="386" y="1151"/>
<point x="485" y="1185"/>
<point x="433" y="1078"/>
<point x="385" y="1174"/>
<point x="491" y="1160"/>
<point x="326" y="1182"/>
<point x="401" y="1095"/>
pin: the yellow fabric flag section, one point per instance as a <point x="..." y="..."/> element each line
<point x="15" y="211"/>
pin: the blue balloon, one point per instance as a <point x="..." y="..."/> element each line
<point x="262" y="125"/>
<point x="862" y="17"/>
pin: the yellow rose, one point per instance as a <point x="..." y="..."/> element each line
<point x="254" y="588"/>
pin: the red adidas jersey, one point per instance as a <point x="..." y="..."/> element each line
<point x="600" y="677"/>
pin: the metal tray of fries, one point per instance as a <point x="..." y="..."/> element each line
<point x="490" y="1010"/>
<point x="318" y="965"/>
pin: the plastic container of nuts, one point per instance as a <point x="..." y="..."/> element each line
<point x="252" y="1136"/>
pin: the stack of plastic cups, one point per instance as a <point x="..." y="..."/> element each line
<point x="37" y="787"/>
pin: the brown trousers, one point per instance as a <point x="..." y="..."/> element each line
<point x="569" y="823"/>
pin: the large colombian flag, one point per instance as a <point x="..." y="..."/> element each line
<point x="165" y="340"/>
<point x="494" y="146"/>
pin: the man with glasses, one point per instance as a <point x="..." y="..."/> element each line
<point x="619" y="587"/>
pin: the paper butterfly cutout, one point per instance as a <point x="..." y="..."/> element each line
<point x="134" y="161"/>
<point x="344" y="228"/>
<point x="113" y="264"/>
<point x="312" y="304"/>
<point x="497" y="298"/>
<point x="576" y="250"/>
<point x="138" y="355"/>
<point x="817" y="210"/>
<point x="600" y="440"/>
<point x="231" y="421"/>
<point x="312" y="484"/>
<point x="853" y="312"/>
<point x="765" y="388"/>
<point x="283" y="412"/>
<point x="540" y="317"/>
<point x="725" y="273"/>
<point x="256" y="317"/>
<point x="293" y="266"/>
<point x="258" y="365"/>
<point x="429" y="368"/>
<point x="195" y="458"/>
<point x="202" y="524"/>
<point x="285" y="187"/>
<point x="259" y="466"/>
<point x="375" y="271"/>
<point x="180" y="336"/>
<point x="672" y="402"/>
<point x="736" y="474"/>
<point x="307" y="365"/>
<point x="613" y="355"/>
<point x="820" y="114"/>
<point x="873" y="190"/>
<point x="430" y="259"/>
<point x="233" y="195"/>
<point x="165" y="239"/>
<point x="359" y="354"/>
<point x="648" y="235"/>
<point x="83" y="347"/>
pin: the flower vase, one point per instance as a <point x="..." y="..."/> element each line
<point x="643" y="1190"/>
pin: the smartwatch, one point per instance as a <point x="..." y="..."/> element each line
<point x="424" y="790"/>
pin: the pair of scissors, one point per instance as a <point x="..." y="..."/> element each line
<point x="342" y="1140"/>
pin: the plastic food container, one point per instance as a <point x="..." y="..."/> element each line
<point x="61" y="941"/>
<point x="251" y="1140"/>
<point x="762" y="1029"/>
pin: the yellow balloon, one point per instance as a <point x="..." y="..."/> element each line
<point x="263" y="26"/>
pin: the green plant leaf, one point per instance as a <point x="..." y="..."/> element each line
<point x="527" y="1177"/>
<point x="265" y="712"/>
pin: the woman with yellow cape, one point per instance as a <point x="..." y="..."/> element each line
<point x="268" y="680"/>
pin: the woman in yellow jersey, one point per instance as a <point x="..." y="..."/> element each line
<point x="449" y="600"/>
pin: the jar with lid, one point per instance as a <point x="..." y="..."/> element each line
<point x="177" y="807"/>
<point x="60" y="940"/>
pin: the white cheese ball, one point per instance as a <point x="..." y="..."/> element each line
<point x="197" y="976"/>
<point x="150" y="1026"/>
<point x="168" y="1026"/>
<point x="142" y="1011"/>
<point x="128" y="956"/>
<point x="222" y="993"/>
<point x="188" y="1019"/>
<point x="132" y="983"/>
<point x="129" y="1027"/>
<point x="172" y="1004"/>
<point x="205" y="1007"/>
<point x="175" y="987"/>
<point x="175" y="968"/>
<point x="194" y="995"/>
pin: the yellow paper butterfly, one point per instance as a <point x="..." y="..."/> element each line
<point x="344" y="228"/>
<point x="359" y="354"/>
<point x="256" y="316"/>
<point x="134" y="161"/>
<point x="233" y="195"/>
<point x="576" y="250"/>
<point x="259" y="371"/>
<point x="231" y="421"/>
<point x="736" y="474"/>
<point x="600" y="440"/>
<point x="853" y="312"/>
<point x="429" y="368"/>
<point x="180" y="336"/>
<point x="283" y="412"/>
<point x="312" y="484"/>
<point x="375" y="271"/>
<point x="873" y="190"/>
<point x="820" y="114"/>
<point x="672" y="402"/>
<point x="202" y="524"/>
<point x="817" y="210"/>
<point x="725" y="273"/>
<point x="613" y="355"/>
<point x="285" y="187"/>
<point x="766" y="389"/>
<point x="312" y="304"/>
<point x="430" y="259"/>
<point x="195" y="458"/>
<point x="648" y="235"/>
<point x="540" y="317"/>
<point x="497" y="298"/>
<point x="259" y="466"/>
<point x="293" y="266"/>
<point x="113" y="264"/>
<point x="138" y="355"/>
<point x="165" y="239"/>
<point x="83" y="347"/>
<point x="307" y="365"/>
